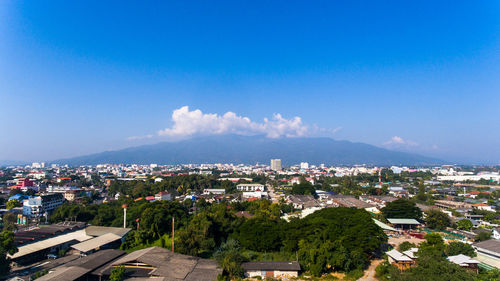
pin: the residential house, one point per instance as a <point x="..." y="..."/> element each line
<point x="271" y="269"/>
<point x="162" y="195"/>
<point x="399" y="260"/>
<point x="301" y="202"/>
<point x="483" y="206"/>
<point x="465" y="262"/>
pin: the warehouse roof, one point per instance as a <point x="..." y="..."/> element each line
<point x="491" y="245"/>
<point x="95" y="243"/>
<point x="78" y="268"/>
<point x="39" y="233"/>
<point x="160" y="262"/>
<point x="78" y="235"/>
<point x="403" y="221"/>
<point x="94" y="230"/>
<point x="383" y="225"/>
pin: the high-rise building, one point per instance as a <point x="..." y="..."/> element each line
<point x="276" y="164"/>
<point x="304" y="165"/>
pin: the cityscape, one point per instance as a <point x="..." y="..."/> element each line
<point x="249" y="140"/>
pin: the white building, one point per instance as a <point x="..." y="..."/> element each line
<point x="276" y="164"/>
<point x="250" y="187"/>
<point x="256" y="194"/>
<point x="216" y="191"/>
<point x="304" y="165"/>
<point x="162" y="195"/>
<point x="40" y="205"/>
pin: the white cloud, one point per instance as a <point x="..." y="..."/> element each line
<point x="188" y="123"/>
<point x="399" y="141"/>
<point x="139" y="137"/>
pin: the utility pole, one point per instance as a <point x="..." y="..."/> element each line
<point x="124" y="206"/>
<point x="173" y="234"/>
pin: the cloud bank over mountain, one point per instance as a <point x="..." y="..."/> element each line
<point x="188" y="123"/>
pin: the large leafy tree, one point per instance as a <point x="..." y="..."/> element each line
<point x="436" y="219"/>
<point x="457" y="248"/>
<point x="464" y="224"/>
<point x="304" y="187"/>
<point x="229" y="257"/>
<point x="13" y="204"/>
<point x="334" y="239"/>
<point x="206" y="230"/>
<point x="6" y="247"/>
<point x="402" y="209"/>
<point x="260" y="234"/>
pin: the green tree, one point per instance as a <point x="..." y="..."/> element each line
<point x="304" y="187"/>
<point x="433" y="268"/>
<point x="457" y="248"/>
<point x="117" y="273"/>
<point x="334" y="239"/>
<point x="433" y="246"/>
<point x="436" y="219"/>
<point x="229" y="257"/>
<point x="483" y="236"/>
<point x="405" y="246"/>
<point x="402" y="209"/>
<point x="260" y="234"/>
<point x="14" y="203"/>
<point x="464" y="224"/>
<point x="490" y="275"/>
<point x="421" y="195"/>
<point x="6" y="247"/>
<point x="9" y="221"/>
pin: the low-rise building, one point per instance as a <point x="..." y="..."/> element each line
<point x="404" y="223"/>
<point x="163" y="195"/>
<point x="271" y="269"/>
<point x="215" y="191"/>
<point x="301" y="202"/>
<point x="162" y="264"/>
<point x="41" y="205"/>
<point x="488" y="252"/>
<point x="399" y="260"/>
<point x="250" y="187"/>
<point x="465" y="262"/>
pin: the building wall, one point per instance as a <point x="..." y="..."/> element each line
<point x="276" y="274"/>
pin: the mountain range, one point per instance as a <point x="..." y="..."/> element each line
<point x="239" y="149"/>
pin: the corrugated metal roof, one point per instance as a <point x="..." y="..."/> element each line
<point x="383" y="225"/>
<point x="78" y="268"/>
<point x="403" y="221"/>
<point x="78" y="235"/>
<point x="94" y="230"/>
<point x="396" y="255"/>
<point x="97" y="242"/>
<point x="271" y="265"/>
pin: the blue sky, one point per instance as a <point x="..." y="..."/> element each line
<point x="80" y="77"/>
